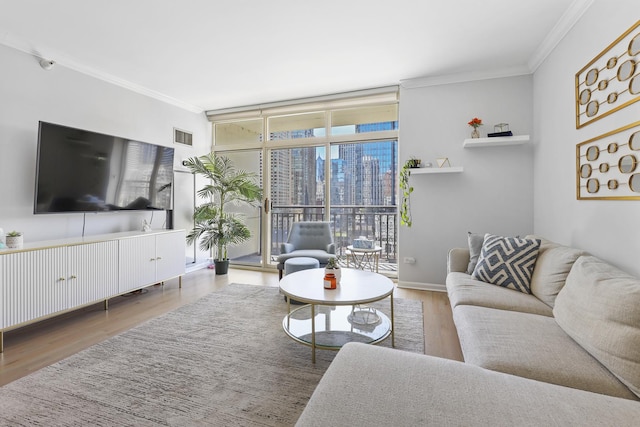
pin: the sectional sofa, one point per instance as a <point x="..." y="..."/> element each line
<point x="565" y="352"/>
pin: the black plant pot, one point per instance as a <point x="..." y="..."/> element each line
<point x="222" y="266"/>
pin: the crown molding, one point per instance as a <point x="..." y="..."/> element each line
<point x="61" y="60"/>
<point x="566" y="22"/>
<point x="464" y="77"/>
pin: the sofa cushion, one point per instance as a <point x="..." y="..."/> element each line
<point x="465" y="290"/>
<point x="475" y="247"/>
<point x="552" y="268"/>
<point x="599" y="307"/>
<point x="531" y="346"/>
<point x="507" y="262"/>
<point x="373" y="386"/>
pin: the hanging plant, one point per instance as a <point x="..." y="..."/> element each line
<point x="405" y="202"/>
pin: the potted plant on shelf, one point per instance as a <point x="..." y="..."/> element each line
<point x="406" y="189"/>
<point x="414" y="162"/>
<point x="332" y="267"/>
<point x="14" y="239"/>
<point x="214" y="226"/>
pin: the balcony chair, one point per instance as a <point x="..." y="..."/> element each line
<point x="311" y="239"/>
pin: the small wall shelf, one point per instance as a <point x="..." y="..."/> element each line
<point x="456" y="169"/>
<point x="495" y="142"/>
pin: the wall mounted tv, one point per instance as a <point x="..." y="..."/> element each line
<point x="82" y="171"/>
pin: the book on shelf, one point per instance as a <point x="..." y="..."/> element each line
<point x="495" y="134"/>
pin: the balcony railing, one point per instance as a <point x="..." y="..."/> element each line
<point x="378" y="223"/>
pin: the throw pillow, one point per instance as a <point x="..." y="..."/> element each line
<point x="507" y="262"/>
<point x="475" y="246"/>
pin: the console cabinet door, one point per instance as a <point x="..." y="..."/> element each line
<point x="170" y="255"/>
<point x="35" y="284"/>
<point x="137" y="261"/>
<point x="92" y="272"/>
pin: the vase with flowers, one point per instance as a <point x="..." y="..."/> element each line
<point x="475" y="123"/>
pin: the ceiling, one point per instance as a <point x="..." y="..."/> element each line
<point x="214" y="54"/>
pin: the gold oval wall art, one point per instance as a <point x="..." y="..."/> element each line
<point x="592" y="77"/>
<point x="634" y="46"/>
<point x="613" y="147"/>
<point x="592" y="153"/>
<point x="634" y="141"/>
<point x="603" y="84"/>
<point x="592" y="108"/>
<point x="628" y="163"/>
<point x="593" y="185"/>
<point x="626" y="70"/>
<point x="613" y="97"/>
<point x="585" y="171"/>
<point x="612" y="184"/>
<point x="604" y="167"/>
<point x="611" y="63"/>
<point x="634" y="182"/>
<point x="634" y="85"/>
<point x="585" y="96"/>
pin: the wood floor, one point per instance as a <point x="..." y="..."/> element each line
<point x="35" y="346"/>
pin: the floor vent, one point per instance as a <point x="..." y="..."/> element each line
<point x="182" y="137"/>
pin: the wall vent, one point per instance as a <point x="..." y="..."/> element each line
<point x="182" y="137"/>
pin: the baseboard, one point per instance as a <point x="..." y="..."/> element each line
<point x="423" y="286"/>
<point x="194" y="267"/>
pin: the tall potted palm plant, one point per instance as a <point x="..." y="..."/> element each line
<point x="214" y="227"/>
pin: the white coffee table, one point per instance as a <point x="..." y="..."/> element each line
<point x="333" y="317"/>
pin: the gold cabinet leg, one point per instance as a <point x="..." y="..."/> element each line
<point x="180" y="282"/>
<point x="1" y="342"/>
<point x="106" y="304"/>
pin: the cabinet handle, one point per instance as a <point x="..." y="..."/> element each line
<point x="61" y="279"/>
<point x="152" y="259"/>
<point x="159" y="258"/>
<point x="73" y="276"/>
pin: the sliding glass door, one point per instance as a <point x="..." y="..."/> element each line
<point x="297" y="189"/>
<point x="250" y="252"/>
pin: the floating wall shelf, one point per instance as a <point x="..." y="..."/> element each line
<point x="496" y="142"/>
<point x="415" y="171"/>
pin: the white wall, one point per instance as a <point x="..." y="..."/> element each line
<point x="607" y="229"/>
<point x="29" y="94"/>
<point x="494" y="194"/>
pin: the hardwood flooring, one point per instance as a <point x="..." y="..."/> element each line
<point x="33" y="347"/>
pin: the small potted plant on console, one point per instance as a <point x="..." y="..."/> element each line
<point x="14" y="239"/>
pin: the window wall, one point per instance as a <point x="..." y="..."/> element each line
<point x="333" y="160"/>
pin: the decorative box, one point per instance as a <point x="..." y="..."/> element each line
<point x="363" y="243"/>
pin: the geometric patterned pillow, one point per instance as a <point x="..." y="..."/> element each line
<point x="507" y="262"/>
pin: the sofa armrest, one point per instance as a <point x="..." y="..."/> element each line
<point x="331" y="248"/>
<point x="286" y="248"/>
<point x="458" y="260"/>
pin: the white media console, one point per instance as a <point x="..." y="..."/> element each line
<point x="44" y="279"/>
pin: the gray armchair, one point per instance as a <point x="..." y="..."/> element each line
<point x="311" y="239"/>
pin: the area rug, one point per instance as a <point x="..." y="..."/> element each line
<point x="223" y="360"/>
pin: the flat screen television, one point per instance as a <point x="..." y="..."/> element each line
<point x="83" y="171"/>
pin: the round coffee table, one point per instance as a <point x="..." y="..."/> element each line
<point x="333" y="317"/>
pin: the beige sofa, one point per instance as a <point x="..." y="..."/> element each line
<point x="565" y="355"/>
<point x="579" y="327"/>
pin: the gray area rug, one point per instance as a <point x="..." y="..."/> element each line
<point x="223" y="360"/>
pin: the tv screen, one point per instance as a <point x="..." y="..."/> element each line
<point x="82" y="171"/>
